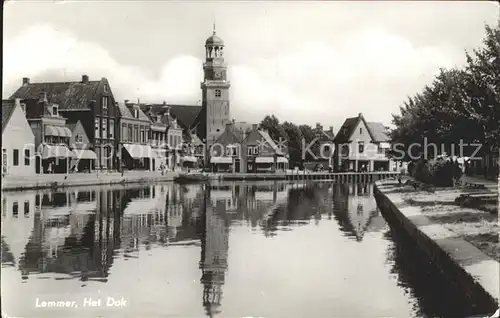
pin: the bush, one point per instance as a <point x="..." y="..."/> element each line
<point x="420" y="171"/>
<point x="439" y="172"/>
<point x="442" y="173"/>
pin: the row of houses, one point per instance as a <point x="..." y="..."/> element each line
<point x="79" y="126"/>
<point x="61" y="127"/>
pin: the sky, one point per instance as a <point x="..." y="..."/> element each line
<point x="305" y="62"/>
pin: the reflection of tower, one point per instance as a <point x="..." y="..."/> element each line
<point x="214" y="251"/>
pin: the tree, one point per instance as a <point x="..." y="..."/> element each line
<point x="294" y="143"/>
<point x="459" y="106"/>
<point x="272" y="125"/>
<point x="308" y="137"/>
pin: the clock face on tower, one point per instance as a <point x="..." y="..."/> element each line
<point x="217" y="74"/>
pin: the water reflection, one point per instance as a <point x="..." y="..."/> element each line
<point x="82" y="235"/>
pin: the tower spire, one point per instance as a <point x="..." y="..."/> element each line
<point x="214" y="24"/>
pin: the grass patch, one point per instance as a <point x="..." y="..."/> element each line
<point x="465" y="217"/>
<point x="487" y="243"/>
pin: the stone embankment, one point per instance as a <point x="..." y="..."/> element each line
<point x="54" y="181"/>
<point x="462" y="242"/>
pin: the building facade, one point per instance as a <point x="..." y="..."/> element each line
<point x="361" y="146"/>
<point x="91" y="102"/>
<point x="84" y="159"/>
<point x="52" y="137"/>
<point x="261" y="153"/>
<point x="134" y="149"/>
<point x="324" y="139"/>
<point x="18" y="141"/>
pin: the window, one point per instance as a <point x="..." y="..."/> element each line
<point x="136" y="133"/>
<point x="105" y="88"/>
<point x="136" y="113"/>
<point x="380" y="150"/>
<point x="217" y="93"/>
<point x="105" y="103"/>
<point x="26" y="208"/>
<point x="27" y="157"/>
<point x="111" y="129"/>
<point x="104" y="127"/>
<point x="54" y="111"/>
<point x="16" y="157"/>
<point x="255" y="150"/>
<point x="124" y="132"/>
<point x="4" y="157"/>
<point x="23" y="107"/>
<point x="78" y="138"/>
<point x="361" y="147"/>
<point x="15" y="209"/>
<point x="360" y="131"/>
<point x="250" y="151"/>
<point x="130" y="133"/>
<point x="97" y="128"/>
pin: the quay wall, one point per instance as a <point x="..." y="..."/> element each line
<point x="472" y="271"/>
<point x="76" y="181"/>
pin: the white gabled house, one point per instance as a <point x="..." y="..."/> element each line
<point x="18" y="141"/>
<point x="361" y="146"/>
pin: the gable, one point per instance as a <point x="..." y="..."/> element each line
<point x="228" y="137"/>
<point x="361" y="132"/>
<point x="77" y="129"/>
<point x="17" y="125"/>
<point x="253" y="138"/>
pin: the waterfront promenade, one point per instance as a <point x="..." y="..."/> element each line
<point x="461" y="241"/>
<point x="18" y="183"/>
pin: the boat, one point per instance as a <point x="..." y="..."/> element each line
<point x="191" y="178"/>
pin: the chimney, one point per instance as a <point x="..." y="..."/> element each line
<point x="359" y="115"/>
<point x="318" y="126"/>
<point x="164" y="103"/>
<point x="26" y="80"/>
<point x="85" y="79"/>
<point x="331" y="129"/>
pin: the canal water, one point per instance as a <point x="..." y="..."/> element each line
<point x="261" y="249"/>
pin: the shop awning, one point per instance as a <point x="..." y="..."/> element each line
<point x="221" y="160"/>
<point x="65" y="132"/>
<point x="189" y="158"/>
<point x="56" y="151"/>
<point x="137" y="151"/>
<point x="85" y="154"/>
<point x="51" y="131"/>
<point x="264" y="160"/>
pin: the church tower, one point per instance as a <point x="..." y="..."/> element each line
<point x="215" y="89"/>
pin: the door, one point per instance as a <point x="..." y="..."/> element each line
<point x="237" y="165"/>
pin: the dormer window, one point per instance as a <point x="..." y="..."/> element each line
<point x="217" y="93"/>
<point x="105" y="102"/>
<point x="55" y="111"/>
<point x="136" y="113"/>
<point x="105" y="88"/>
